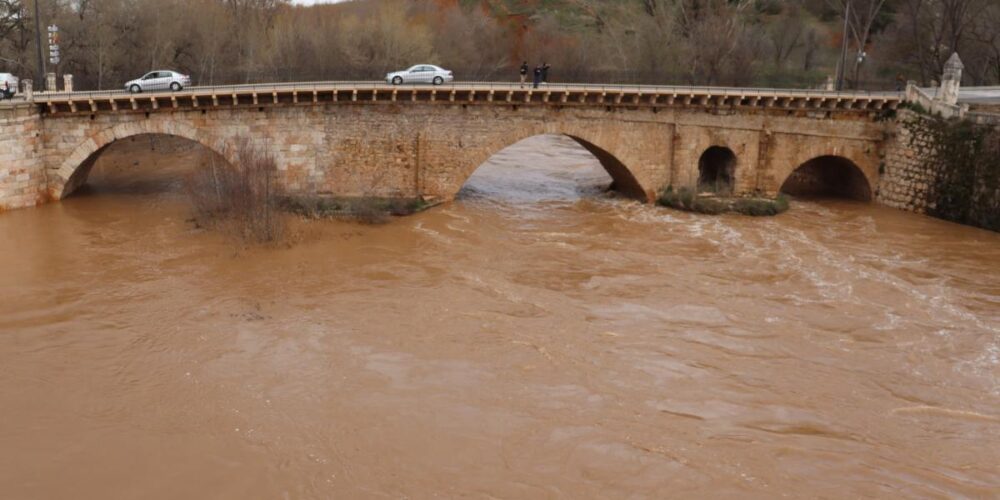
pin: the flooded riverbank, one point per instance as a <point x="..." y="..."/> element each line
<point x="534" y="338"/>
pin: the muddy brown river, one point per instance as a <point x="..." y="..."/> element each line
<point x="533" y="339"/>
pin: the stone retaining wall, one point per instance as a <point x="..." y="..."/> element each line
<point x="907" y="180"/>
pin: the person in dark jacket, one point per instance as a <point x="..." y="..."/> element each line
<point x="538" y="76"/>
<point x="545" y="72"/>
<point x="524" y="73"/>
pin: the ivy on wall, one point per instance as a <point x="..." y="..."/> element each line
<point x="965" y="158"/>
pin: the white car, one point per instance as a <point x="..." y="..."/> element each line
<point x="159" y="80"/>
<point x="7" y="91"/>
<point x="421" y="73"/>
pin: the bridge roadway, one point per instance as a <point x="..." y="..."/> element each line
<point x="496" y="93"/>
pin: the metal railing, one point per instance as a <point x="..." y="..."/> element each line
<point x="327" y="86"/>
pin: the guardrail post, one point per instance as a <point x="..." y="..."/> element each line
<point x="50" y="82"/>
<point x="29" y="94"/>
<point x="67" y="83"/>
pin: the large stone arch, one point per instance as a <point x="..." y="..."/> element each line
<point x="72" y="171"/>
<point x="789" y="153"/>
<point x="629" y="155"/>
<point x="829" y="175"/>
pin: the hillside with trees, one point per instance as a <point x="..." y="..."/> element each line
<point x="788" y="43"/>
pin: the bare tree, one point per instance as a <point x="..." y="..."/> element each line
<point x="786" y="33"/>
<point x="810" y="47"/>
<point x="13" y="15"/>
<point x="106" y="42"/>
<point x="861" y="17"/>
<point x="925" y="33"/>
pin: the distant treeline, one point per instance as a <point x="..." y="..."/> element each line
<point x="794" y="43"/>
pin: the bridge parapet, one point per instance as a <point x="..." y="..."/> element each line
<point x="575" y="95"/>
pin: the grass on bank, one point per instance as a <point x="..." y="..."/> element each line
<point x="363" y="209"/>
<point x="688" y="199"/>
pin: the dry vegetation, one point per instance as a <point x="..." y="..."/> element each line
<point x="726" y="42"/>
<point x="362" y="209"/>
<point x="239" y="195"/>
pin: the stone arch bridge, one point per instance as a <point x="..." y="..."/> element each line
<point x="371" y="139"/>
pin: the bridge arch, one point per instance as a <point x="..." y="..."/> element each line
<point x="829" y="175"/>
<point x="623" y="179"/>
<point x="73" y="171"/>
<point x="717" y="169"/>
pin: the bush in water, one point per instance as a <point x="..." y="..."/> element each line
<point x="687" y="199"/>
<point x="241" y="194"/>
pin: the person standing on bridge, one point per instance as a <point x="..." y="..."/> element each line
<point x="524" y="73"/>
<point x="538" y="76"/>
<point x="545" y="73"/>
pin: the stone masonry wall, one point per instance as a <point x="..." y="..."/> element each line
<point x="22" y="172"/>
<point x="409" y="149"/>
<point x="907" y="182"/>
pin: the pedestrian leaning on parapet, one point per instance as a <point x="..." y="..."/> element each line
<point x="524" y="73"/>
<point x="537" y="76"/>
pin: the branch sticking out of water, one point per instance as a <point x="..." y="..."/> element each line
<point x="241" y="195"/>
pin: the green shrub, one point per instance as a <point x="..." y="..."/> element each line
<point x="686" y="196"/>
<point x="364" y="209"/>
<point x="782" y="202"/>
<point x="761" y="206"/>
<point x="686" y="199"/>
<point x="710" y="206"/>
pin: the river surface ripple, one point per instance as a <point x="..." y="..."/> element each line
<point x="535" y="338"/>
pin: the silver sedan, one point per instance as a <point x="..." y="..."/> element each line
<point x="421" y="73"/>
<point x="158" y="80"/>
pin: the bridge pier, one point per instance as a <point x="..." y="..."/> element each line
<point x="23" y="181"/>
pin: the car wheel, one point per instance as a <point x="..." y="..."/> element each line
<point x="175" y="87"/>
<point x="396" y="80"/>
<point x="135" y="88"/>
<point x="438" y="80"/>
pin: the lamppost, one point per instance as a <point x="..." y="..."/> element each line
<point x="843" y="48"/>
<point x="38" y="45"/>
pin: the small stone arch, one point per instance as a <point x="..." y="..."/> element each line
<point x="73" y="171"/>
<point x="717" y="170"/>
<point x="828" y="175"/>
<point x="623" y="179"/>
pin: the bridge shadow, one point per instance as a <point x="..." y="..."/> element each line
<point x="828" y="177"/>
<point x="143" y="164"/>
<point x="550" y="167"/>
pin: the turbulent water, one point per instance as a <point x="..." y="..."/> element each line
<point x="535" y="338"/>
